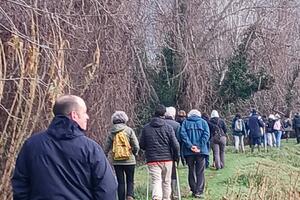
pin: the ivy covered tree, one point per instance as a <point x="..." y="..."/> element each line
<point x="165" y="84"/>
<point x="240" y="82"/>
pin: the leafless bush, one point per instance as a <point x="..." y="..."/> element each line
<point x="101" y="50"/>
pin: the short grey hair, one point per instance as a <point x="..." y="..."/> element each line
<point x="194" y="112"/>
<point x="119" y="117"/>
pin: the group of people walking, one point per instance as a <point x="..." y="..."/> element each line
<point x="263" y="131"/>
<point x="167" y="138"/>
<point x="62" y="163"/>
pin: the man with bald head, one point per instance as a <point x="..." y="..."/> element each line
<point x="61" y="163"/>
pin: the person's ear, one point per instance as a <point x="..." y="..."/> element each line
<point x="73" y="115"/>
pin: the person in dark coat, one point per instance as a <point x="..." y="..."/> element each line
<point x="61" y="162"/>
<point x="296" y="126"/>
<point x="219" y="137"/>
<point x="170" y="119"/>
<point x="161" y="147"/>
<point x="269" y="126"/>
<point x="287" y="125"/>
<point x="205" y="116"/>
<point x="181" y="116"/>
<point x="255" y="129"/>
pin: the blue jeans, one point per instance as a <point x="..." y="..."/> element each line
<point x="278" y="138"/>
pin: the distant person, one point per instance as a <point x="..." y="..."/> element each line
<point x="195" y="136"/>
<point x="170" y="119"/>
<point x="124" y="145"/>
<point x="239" y="132"/>
<point x="264" y="133"/>
<point x="288" y="127"/>
<point x="219" y="137"/>
<point x="255" y="124"/>
<point x="270" y="130"/>
<point x="205" y="116"/>
<point x="181" y="116"/>
<point x="296" y="126"/>
<point x="61" y="162"/>
<point x="161" y="148"/>
<point x="278" y="127"/>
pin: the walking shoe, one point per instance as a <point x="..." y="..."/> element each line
<point x="198" y="195"/>
<point x="130" y="198"/>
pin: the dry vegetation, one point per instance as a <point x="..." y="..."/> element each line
<point x="103" y="50"/>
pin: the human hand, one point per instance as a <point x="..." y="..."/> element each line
<point x="195" y="149"/>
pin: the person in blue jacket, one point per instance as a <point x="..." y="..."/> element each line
<point x="61" y="162"/>
<point x="195" y="135"/>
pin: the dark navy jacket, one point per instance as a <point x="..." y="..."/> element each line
<point x="255" y="124"/>
<point x="159" y="141"/>
<point x="62" y="164"/>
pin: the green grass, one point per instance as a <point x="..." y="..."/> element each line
<point x="262" y="175"/>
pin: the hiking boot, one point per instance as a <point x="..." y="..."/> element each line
<point x="129" y="198"/>
<point x="198" y="195"/>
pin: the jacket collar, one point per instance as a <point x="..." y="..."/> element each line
<point x="64" y="128"/>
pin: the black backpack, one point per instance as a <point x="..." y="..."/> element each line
<point x="218" y="131"/>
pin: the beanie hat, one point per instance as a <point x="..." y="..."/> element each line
<point x="214" y="113"/>
<point x="170" y="112"/>
<point x="271" y="116"/>
<point x="119" y="117"/>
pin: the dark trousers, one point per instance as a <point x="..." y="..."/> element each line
<point x="125" y="177"/>
<point x="297" y="131"/>
<point x="196" y="166"/>
<point x="219" y="144"/>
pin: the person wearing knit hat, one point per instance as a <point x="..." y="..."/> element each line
<point x="214" y="114"/>
<point x="219" y="137"/>
<point x="194" y="135"/>
<point x="170" y="112"/>
<point x="161" y="148"/>
<point x="119" y="117"/>
<point x="170" y="119"/>
<point x="127" y="166"/>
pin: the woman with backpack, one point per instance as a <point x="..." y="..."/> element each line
<point x="239" y="131"/>
<point x="219" y="136"/>
<point x="124" y="145"/>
